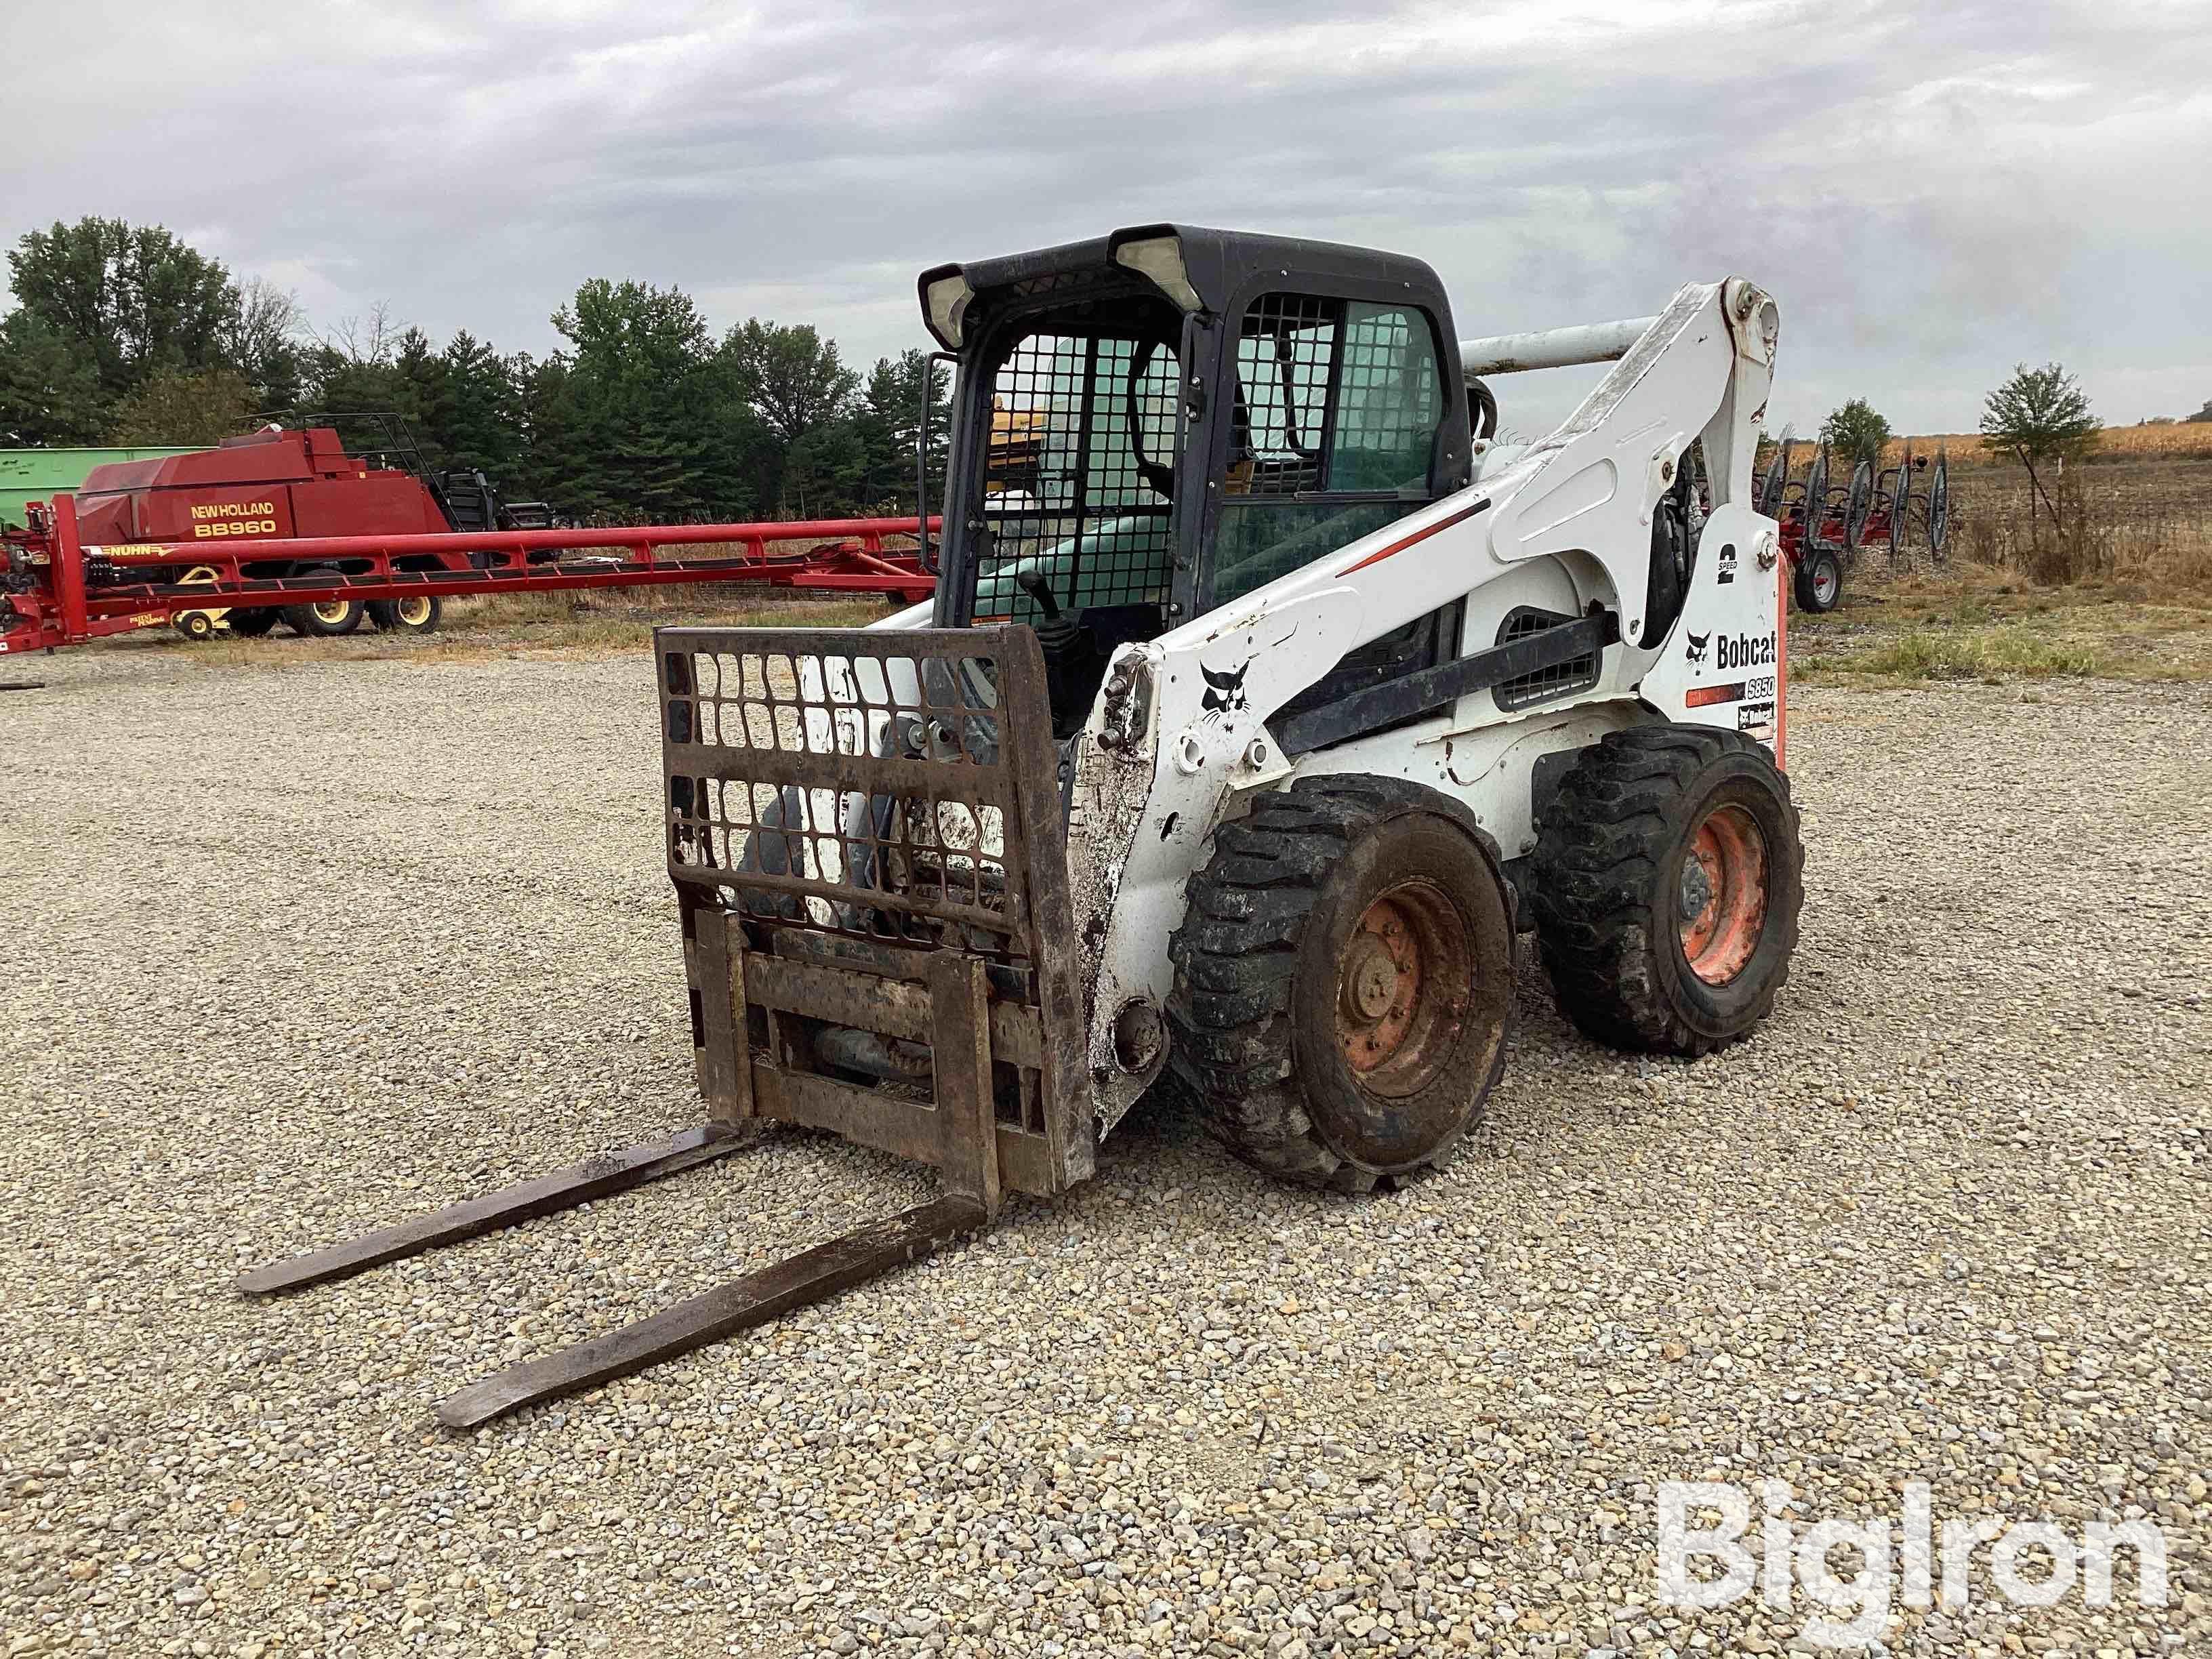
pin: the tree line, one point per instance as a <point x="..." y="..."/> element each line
<point x="126" y="334"/>
<point x="2038" y="417"/>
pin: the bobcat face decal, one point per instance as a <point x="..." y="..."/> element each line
<point x="1696" y="654"/>
<point x="1224" y="693"/>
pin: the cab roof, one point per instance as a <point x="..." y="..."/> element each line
<point x="1217" y="265"/>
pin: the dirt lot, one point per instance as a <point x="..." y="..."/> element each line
<point x="299" y="950"/>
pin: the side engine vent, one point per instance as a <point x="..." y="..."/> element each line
<point x="1526" y="690"/>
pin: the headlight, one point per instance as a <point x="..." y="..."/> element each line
<point x="1159" y="259"/>
<point x="948" y="298"/>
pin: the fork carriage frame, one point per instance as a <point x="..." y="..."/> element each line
<point x="873" y="912"/>
<point x="854" y="903"/>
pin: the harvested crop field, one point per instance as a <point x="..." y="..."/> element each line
<point x="300" y="950"/>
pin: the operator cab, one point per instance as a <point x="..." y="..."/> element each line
<point x="1153" y="425"/>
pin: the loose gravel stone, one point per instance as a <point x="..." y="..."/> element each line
<point x="300" y="951"/>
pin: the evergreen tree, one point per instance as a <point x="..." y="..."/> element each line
<point x="479" y="419"/>
<point x="888" y="422"/>
<point x="553" y="463"/>
<point x="644" y="391"/>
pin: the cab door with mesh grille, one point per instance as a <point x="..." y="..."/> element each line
<point x="1079" y="477"/>
<point x="1337" y="404"/>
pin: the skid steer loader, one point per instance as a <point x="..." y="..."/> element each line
<point x="1238" y="746"/>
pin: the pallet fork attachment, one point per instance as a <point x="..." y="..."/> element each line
<point x="863" y="832"/>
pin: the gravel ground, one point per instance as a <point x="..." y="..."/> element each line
<point x="300" y="951"/>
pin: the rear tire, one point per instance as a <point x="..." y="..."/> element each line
<point x="325" y="622"/>
<point x="414" y="616"/>
<point x="1819" y="584"/>
<point x="1668" y="877"/>
<point x="194" y="625"/>
<point x="1344" y="978"/>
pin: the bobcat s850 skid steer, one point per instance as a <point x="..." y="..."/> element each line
<point x="1265" y="697"/>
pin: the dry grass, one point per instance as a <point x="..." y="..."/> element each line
<point x="2168" y="554"/>
<point x="1979" y="621"/>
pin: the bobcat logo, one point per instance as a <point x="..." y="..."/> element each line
<point x="1696" y="655"/>
<point x="1224" y="693"/>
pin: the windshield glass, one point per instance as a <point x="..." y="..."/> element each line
<point x="1078" y="475"/>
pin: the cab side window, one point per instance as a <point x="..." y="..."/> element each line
<point x="1333" y="428"/>
<point x="1389" y="404"/>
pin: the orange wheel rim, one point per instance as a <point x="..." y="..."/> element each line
<point x="1723" y="894"/>
<point x="1404" y="985"/>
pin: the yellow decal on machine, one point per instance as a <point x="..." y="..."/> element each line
<point x="233" y="509"/>
<point x="237" y="527"/>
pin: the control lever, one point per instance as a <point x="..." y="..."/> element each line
<point x="1033" y="584"/>
<point x="1058" y="632"/>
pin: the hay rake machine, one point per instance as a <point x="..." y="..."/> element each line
<point x="1826" y="525"/>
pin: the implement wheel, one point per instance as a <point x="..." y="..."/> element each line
<point x="1858" y="505"/>
<point x="418" y="615"/>
<point x="1816" y="500"/>
<point x="1819" y="583"/>
<point x="1344" y="977"/>
<point x="329" y="620"/>
<point x="1668" y="876"/>
<point x="1771" y="488"/>
<point x="1939" y="508"/>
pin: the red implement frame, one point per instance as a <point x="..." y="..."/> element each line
<point x="59" y="592"/>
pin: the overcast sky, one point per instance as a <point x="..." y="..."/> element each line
<point x="1933" y="192"/>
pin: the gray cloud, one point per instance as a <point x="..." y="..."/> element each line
<point x="1933" y="192"/>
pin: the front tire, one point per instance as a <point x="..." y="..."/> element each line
<point x="1344" y="978"/>
<point x="1668" y="877"/>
